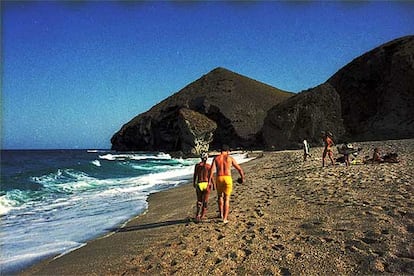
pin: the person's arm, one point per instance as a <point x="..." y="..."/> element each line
<point x="210" y="174"/>
<point x="238" y="168"/>
<point x="195" y="175"/>
<point x="210" y="183"/>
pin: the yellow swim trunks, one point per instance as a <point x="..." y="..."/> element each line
<point x="224" y="184"/>
<point x="203" y="186"/>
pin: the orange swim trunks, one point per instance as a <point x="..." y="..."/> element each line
<point x="224" y="184"/>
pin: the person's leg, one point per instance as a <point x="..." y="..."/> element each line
<point x="323" y="158"/>
<point x="226" y="208"/>
<point x="331" y="157"/>
<point x="220" y="204"/>
<point x="205" y="203"/>
<point x="220" y="192"/>
<point x="199" y="203"/>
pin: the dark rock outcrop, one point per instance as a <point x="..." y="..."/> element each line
<point x="371" y="98"/>
<point x="237" y="104"/>
<point x="303" y="116"/>
<point x="196" y="131"/>
<point x="377" y="92"/>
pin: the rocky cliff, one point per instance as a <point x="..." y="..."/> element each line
<point x="371" y="98"/>
<point x="377" y="92"/>
<point x="303" y="116"/>
<point x="237" y="104"/>
<point x="196" y="131"/>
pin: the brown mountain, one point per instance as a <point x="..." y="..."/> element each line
<point x="237" y="104"/>
<point x="377" y="92"/>
<point x="371" y="98"/>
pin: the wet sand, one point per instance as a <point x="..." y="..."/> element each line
<point x="289" y="217"/>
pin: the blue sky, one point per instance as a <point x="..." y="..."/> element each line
<point x="74" y="72"/>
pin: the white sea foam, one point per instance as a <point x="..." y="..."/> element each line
<point x="6" y="204"/>
<point x="112" y="157"/>
<point x="96" y="163"/>
<point x="150" y="168"/>
<point x="10" y="264"/>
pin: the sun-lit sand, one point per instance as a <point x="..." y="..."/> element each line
<point x="290" y="217"/>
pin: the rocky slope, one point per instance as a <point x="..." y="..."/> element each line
<point x="196" y="131"/>
<point x="371" y="98"/>
<point x="377" y="92"/>
<point x="237" y="104"/>
<point x="303" y="116"/>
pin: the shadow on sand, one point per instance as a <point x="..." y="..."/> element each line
<point x="151" y="225"/>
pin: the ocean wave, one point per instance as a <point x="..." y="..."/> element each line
<point x="138" y="156"/>
<point x="6" y="204"/>
<point x="150" y="168"/>
<point x="81" y="202"/>
<point x="15" y="263"/>
<point x="61" y="177"/>
<point x="15" y="199"/>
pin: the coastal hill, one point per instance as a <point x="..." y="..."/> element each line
<point x="303" y="116"/>
<point x="377" y="92"/>
<point x="371" y="98"/>
<point x="237" y="104"/>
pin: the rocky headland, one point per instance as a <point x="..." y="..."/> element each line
<point x="371" y="98"/>
<point x="235" y="103"/>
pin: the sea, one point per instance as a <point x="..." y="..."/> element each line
<point x="55" y="201"/>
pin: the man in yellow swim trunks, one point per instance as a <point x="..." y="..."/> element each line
<point x="222" y="163"/>
<point x="201" y="184"/>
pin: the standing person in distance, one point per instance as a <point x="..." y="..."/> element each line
<point x="328" y="145"/>
<point x="202" y="185"/>
<point x="222" y="164"/>
<point x="306" y="150"/>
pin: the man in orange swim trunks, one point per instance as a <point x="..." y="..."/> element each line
<point x="202" y="186"/>
<point x="222" y="163"/>
<point x="328" y="143"/>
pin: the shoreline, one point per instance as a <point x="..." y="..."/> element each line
<point x="289" y="217"/>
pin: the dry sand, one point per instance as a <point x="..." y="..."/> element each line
<point x="290" y="217"/>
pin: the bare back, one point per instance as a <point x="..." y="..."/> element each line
<point x="202" y="172"/>
<point x="223" y="164"/>
<point x="328" y="143"/>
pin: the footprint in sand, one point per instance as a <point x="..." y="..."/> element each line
<point x="250" y="224"/>
<point x="278" y="247"/>
<point x="249" y="238"/>
<point x="285" y="272"/>
<point x="259" y="212"/>
<point x="247" y="252"/>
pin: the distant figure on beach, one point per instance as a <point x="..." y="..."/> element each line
<point x="387" y="158"/>
<point x="202" y="186"/>
<point x="222" y="163"/>
<point x="376" y="157"/>
<point x="346" y="149"/>
<point x="306" y="150"/>
<point x="328" y="144"/>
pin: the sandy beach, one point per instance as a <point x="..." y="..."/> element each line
<point x="289" y="218"/>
